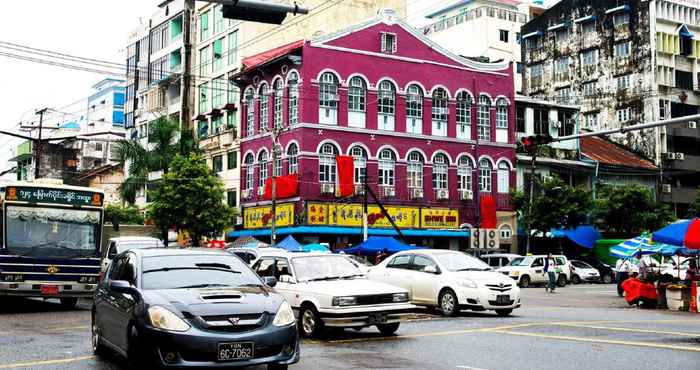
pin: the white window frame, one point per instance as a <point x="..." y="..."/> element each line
<point x="623" y="82"/>
<point x="278" y="91"/>
<point x="440" y="172"/>
<point x="623" y="115"/>
<point x="589" y="89"/>
<point x="501" y="114"/>
<point x="485" y="180"/>
<point x="464" y="173"/>
<point x="263" y="97"/>
<point x="505" y="232"/>
<point x="293" y="103"/>
<point x="250" y="171"/>
<point x="263" y="160"/>
<point x="328" y="98"/>
<point x="250" y="112"/>
<point x="414" y="109"/>
<point x="357" y="95"/>
<point x="359" y="155"/>
<point x="386" y="168"/>
<point x="503" y="178"/>
<point x="589" y="57"/>
<point x="386" y="38"/>
<point x="414" y="170"/>
<point x="440" y="111"/>
<point x="622" y="50"/>
<point x="327" y="166"/>
<point x="464" y="115"/>
<point x="484" y="118"/>
<point x="386" y="105"/>
<point x="293" y="158"/>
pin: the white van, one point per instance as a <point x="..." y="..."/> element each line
<point x="497" y="260"/>
<point x="530" y="270"/>
<point x="123" y="243"/>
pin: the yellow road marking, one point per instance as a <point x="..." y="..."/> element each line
<point x="605" y="341"/>
<point x="434" y="334"/>
<point x="631" y="330"/>
<point x="46" y="362"/>
<point x="68" y="328"/>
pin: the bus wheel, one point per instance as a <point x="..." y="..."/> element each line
<point x="69" y="302"/>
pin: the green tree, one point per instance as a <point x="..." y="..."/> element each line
<point x="694" y="209"/>
<point x="554" y="205"/>
<point x="190" y="197"/>
<point x="129" y="215"/>
<point x="165" y="140"/>
<point x="630" y="209"/>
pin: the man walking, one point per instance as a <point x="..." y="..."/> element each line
<point x="549" y="269"/>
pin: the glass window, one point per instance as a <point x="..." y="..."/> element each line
<point x="293" y="103"/>
<point x="264" y="96"/>
<point x="204" y="30"/>
<point x="218" y="17"/>
<point x="503" y="178"/>
<point x="231" y="198"/>
<point x="233" y="47"/>
<point x="588" y="28"/>
<point x="623" y="82"/>
<point x="484" y="118"/>
<point x="589" y="89"/>
<point x="219" y="92"/>
<point x="440" y="112"/>
<point x="232" y="160"/>
<point x="217" y="163"/>
<point x="277" y="167"/>
<point x="387" y="165"/>
<point x="589" y="57"/>
<point x="265" y="267"/>
<point x="279" y="94"/>
<point x="249" y="171"/>
<point x="327" y="163"/>
<point x="464" y="115"/>
<point x="250" y="112"/>
<point x="414" y="101"/>
<point x="484" y="176"/>
<point x="621" y="19"/>
<point x="387" y="98"/>
<point x="388" y="43"/>
<point x="400" y="262"/>
<point x="414" y="170"/>
<point x="357" y="95"/>
<point x="420" y="263"/>
<point x="322" y="267"/>
<point x="440" y="170"/>
<point x="204" y="98"/>
<point x="561" y="69"/>
<point x="218" y="51"/>
<point x="204" y="61"/>
<point x="360" y="161"/>
<point x="622" y="50"/>
<point x="262" y="164"/>
<point x="328" y="85"/>
<point x="464" y="173"/>
<point x="292" y="159"/>
<point x="506" y="232"/>
<point x="502" y="114"/>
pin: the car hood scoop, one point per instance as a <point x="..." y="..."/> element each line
<point x="220" y="294"/>
<point x="219" y="301"/>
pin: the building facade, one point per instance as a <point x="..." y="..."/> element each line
<point x="430" y="132"/>
<point x="104" y="123"/>
<point x="624" y="62"/>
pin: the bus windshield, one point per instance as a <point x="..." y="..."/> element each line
<point x="44" y="232"/>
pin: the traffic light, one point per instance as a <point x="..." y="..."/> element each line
<point x="259" y="11"/>
<point x="533" y="141"/>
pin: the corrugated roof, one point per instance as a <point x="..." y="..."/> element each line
<point x="606" y="152"/>
<point x="258" y="59"/>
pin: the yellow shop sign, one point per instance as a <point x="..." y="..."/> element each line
<point x="261" y="217"/>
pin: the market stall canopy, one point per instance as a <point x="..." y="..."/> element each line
<point x="290" y="244"/>
<point x="642" y="245"/>
<point x="583" y="235"/>
<point x="681" y="233"/>
<point x="376" y="244"/>
<point x="315" y="247"/>
<point x="247" y="242"/>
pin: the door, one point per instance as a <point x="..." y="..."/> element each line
<point x="424" y="285"/>
<point x="564" y="266"/>
<point x="537" y="271"/>
<point x="288" y="290"/>
<point x="398" y="272"/>
<point x="125" y="302"/>
<point x="109" y="256"/>
<point x="107" y="303"/>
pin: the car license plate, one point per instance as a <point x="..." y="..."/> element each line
<point x="503" y="299"/>
<point x="49" y="289"/>
<point x="235" y="351"/>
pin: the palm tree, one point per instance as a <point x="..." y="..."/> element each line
<point x="163" y="144"/>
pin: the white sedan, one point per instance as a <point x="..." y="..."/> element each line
<point x="327" y="290"/>
<point x="449" y="280"/>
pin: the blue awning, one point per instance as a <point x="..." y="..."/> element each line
<point x="558" y="26"/>
<point x="583" y="235"/>
<point x="622" y="8"/>
<point x="376" y="244"/>
<point x="683" y="31"/>
<point x="338" y="230"/>
<point x="589" y="18"/>
<point x="531" y="34"/>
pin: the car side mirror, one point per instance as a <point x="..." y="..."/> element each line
<point x="288" y="279"/>
<point x="430" y="269"/>
<point x="124" y="287"/>
<point x="270" y="281"/>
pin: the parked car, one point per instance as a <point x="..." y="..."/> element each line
<point x="123" y="243"/>
<point x="530" y="270"/>
<point x="360" y="263"/>
<point x="449" y="280"/>
<point x="583" y="272"/>
<point x="187" y="307"/>
<point x="606" y="272"/>
<point x="496" y="260"/>
<point x="327" y="290"/>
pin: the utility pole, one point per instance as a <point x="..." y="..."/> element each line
<point x="529" y="204"/>
<point x="185" y="101"/>
<point x="365" y="224"/>
<point x="477" y="176"/>
<point x="39" y="144"/>
<point x="275" y="155"/>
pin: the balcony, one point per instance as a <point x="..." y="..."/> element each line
<point x="504" y="202"/>
<point x="220" y="137"/>
<point x="685" y="132"/>
<point x="689" y="163"/>
<point x="680" y="195"/>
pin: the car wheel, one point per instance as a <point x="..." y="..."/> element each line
<point x="310" y="323"/>
<point x="524" y="281"/>
<point x="607" y="279"/>
<point x="277" y="367"/>
<point x="448" y="302"/>
<point x="504" y="312"/>
<point x="69" y="302"/>
<point x="97" y="347"/>
<point x="561" y="280"/>
<point x="575" y="280"/>
<point x="388" y="329"/>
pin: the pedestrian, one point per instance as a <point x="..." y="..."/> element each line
<point x="384" y="253"/>
<point x="643" y="267"/>
<point x="549" y="269"/>
<point x="623" y="273"/>
<point x="692" y="273"/>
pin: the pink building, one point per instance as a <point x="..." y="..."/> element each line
<point x="430" y="130"/>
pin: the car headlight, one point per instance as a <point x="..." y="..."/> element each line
<point x="162" y="318"/>
<point x="468" y="283"/>
<point x="514" y="273"/>
<point x="344" y="301"/>
<point x="284" y="316"/>
<point x="400" y="297"/>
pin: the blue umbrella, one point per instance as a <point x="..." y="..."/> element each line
<point x="290" y="244"/>
<point x="315" y="247"/>
<point x="641" y="245"/>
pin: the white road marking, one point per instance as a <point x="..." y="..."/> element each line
<point x="469" y="367"/>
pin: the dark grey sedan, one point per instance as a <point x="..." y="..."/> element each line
<point x="191" y="308"/>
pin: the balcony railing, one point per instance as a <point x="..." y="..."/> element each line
<point x="504" y="202"/>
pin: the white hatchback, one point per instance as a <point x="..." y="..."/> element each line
<point x="449" y="280"/>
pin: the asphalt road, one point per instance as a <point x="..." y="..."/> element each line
<point x="579" y="327"/>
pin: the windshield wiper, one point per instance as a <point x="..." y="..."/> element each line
<point x="202" y="286"/>
<point x="162" y="269"/>
<point x="325" y="278"/>
<point x="471" y="269"/>
<point x="351" y="276"/>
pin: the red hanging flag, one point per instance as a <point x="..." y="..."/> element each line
<point x="285" y="186"/>
<point x="346" y="169"/>
<point x="487" y="206"/>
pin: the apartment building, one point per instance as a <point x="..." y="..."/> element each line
<point x="103" y="122"/>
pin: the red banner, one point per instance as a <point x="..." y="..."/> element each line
<point x="285" y="186"/>
<point x="487" y="206"/>
<point x="346" y="173"/>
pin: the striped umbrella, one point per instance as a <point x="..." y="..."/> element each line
<point x="641" y="245"/>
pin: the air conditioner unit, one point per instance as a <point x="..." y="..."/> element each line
<point x="466" y="194"/>
<point x="442" y="194"/>
<point x="692" y="124"/>
<point x="359" y="190"/>
<point x="666" y="188"/>
<point x="680" y="156"/>
<point x="327" y="189"/>
<point x="261" y="190"/>
<point x="389" y="191"/>
<point x="485" y="238"/>
<point x="416" y="193"/>
<point x="245" y="194"/>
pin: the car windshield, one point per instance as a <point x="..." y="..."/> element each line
<point x="359" y="260"/>
<point x="324" y="268"/>
<point x="521" y="261"/>
<point x="580" y="264"/>
<point x="460" y="262"/>
<point x="196" y="271"/>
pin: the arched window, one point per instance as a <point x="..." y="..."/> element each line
<point x="249" y="163"/>
<point x="357" y="102"/>
<point x="326" y="163"/>
<point x="440" y="112"/>
<point x="506" y="231"/>
<point x="502" y="114"/>
<point x="386" y="105"/>
<point x="414" y="171"/>
<point x="503" y="177"/>
<point x="464" y="174"/>
<point x="359" y="155"/>
<point x="484" y="176"/>
<point x="277" y="166"/>
<point x="484" y="118"/>
<point x="250" y="112"/>
<point x="328" y="99"/>
<point x="387" y="166"/>
<point x="279" y="93"/>
<point x="464" y="115"/>
<point x="263" y="95"/>
<point x="262" y="165"/>
<point x="414" y="109"/>
<point x="440" y="169"/>
<point x="292" y="158"/>
<point x="293" y="104"/>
